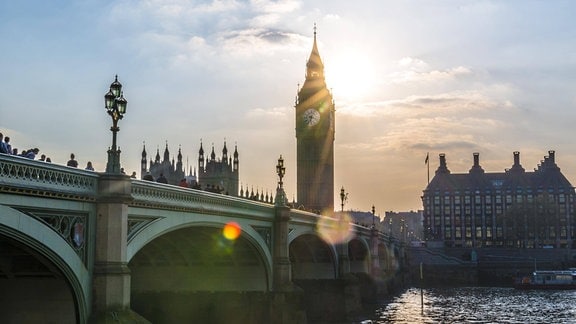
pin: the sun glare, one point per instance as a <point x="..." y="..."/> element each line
<point x="350" y="76"/>
<point x="335" y="232"/>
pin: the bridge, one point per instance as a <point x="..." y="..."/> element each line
<point x="78" y="246"/>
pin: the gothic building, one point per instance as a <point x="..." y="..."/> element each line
<point x="173" y="172"/>
<point x="219" y="175"/>
<point x="514" y="208"/>
<point x="216" y="175"/>
<point x="315" y="139"/>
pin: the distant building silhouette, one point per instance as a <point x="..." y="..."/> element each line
<point x="514" y="209"/>
<point x="215" y="175"/>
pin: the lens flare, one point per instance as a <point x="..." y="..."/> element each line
<point x="335" y="231"/>
<point x="231" y="231"/>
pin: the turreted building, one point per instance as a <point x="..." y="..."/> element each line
<point x="515" y="208"/>
<point x="219" y="175"/>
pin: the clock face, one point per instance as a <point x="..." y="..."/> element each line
<point x="311" y="117"/>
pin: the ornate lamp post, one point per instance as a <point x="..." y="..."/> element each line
<point x="343" y="197"/>
<point x="115" y="104"/>
<point x="281" y="171"/>
<point x="373" y="215"/>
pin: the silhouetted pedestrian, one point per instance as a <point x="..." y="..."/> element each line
<point x="3" y="147"/>
<point x="72" y="162"/>
<point x="162" y="179"/>
<point x="8" y="145"/>
<point x="183" y="183"/>
<point x="31" y="154"/>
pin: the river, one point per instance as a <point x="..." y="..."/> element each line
<point x="478" y="305"/>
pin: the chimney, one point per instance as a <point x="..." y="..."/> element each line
<point x="442" y="168"/>
<point x="476" y="168"/>
<point x="516" y="158"/>
<point x="517" y="167"/>
<point x="551" y="156"/>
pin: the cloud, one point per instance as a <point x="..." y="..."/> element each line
<point x="280" y="6"/>
<point x="413" y="75"/>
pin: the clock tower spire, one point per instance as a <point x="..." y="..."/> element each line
<point x="315" y="138"/>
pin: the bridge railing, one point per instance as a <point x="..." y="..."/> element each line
<point x="161" y="196"/>
<point x="32" y="177"/>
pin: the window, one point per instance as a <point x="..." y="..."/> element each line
<point x="458" y="232"/>
<point x="447" y="232"/>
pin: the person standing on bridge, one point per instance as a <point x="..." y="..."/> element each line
<point x="3" y="147"/>
<point x="72" y="162"/>
<point x="148" y="177"/>
<point x="162" y="179"/>
<point x="31" y="154"/>
<point x="8" y="145"/>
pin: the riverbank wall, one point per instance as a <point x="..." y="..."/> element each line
<point x="445" y="267"/>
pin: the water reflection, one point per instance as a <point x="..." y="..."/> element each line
<point x="480" y="305"/>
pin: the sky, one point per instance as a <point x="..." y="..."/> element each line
<point x="409" y="78"/>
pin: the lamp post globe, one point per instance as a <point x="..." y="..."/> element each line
<point x="115" y="105"/>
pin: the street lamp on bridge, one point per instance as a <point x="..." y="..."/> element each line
<point x="280" y="171"/>
<point x="373" y="215"/>
<point x="115" y="104"/>
<point x="343" y="197"/>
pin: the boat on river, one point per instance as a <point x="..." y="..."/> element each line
<point x="548" y="279"/>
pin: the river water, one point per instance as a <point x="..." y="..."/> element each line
<point x="479" y="305"/>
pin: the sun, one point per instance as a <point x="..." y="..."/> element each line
<point x="351" y="75"/>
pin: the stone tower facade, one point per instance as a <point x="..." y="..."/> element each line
<point x="315" y="128"/>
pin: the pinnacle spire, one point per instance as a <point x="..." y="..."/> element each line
<point x="314" y="66"/>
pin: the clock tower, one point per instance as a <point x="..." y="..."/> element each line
<point x="315" y="139"/>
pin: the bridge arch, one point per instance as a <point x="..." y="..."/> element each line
<point x="57" y="275"/>
<point x="359" y="255"/>
<point x="312" y="257"/>
<point x="160" y="225"/>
